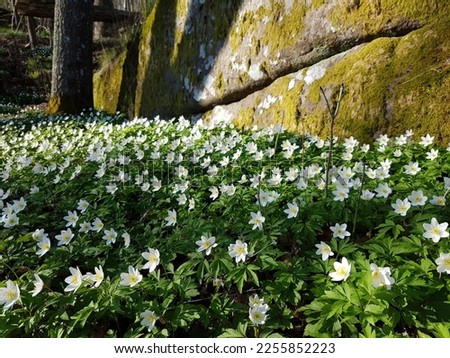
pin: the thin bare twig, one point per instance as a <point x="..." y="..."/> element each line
<point x="333" y="115"/>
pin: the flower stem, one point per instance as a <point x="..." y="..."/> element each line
<point x="256" y="331"/>
<point x="358" y="199"/>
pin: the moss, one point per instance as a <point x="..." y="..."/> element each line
<point x="318" y="3"/>
<point x="423" y="75"/>
<point x="247" y="24"/>
<point x="371" y="15"/>
<point x="285" y="110"/>
<point x="220" y="83"/>
<point x="244" y="118"/>
<point x="365" y="75"/>
<point x="181" y="13"/>
<point x="157" y="62"/>
<point x="115" y="82"/>
<point x="54" y="105"/>
<point x="285" y="35"/>
<point x="144" y="56"/>
<point x="107" y="84"/>
<point x="67" y="103"/>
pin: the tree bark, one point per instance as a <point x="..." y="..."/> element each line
<point x="31" y="27"/>
<point x="72" y="88"/>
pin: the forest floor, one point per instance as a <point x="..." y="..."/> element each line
<point x="25" y="73"/>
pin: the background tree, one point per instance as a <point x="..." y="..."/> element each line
<point x="71" y="89"/>
<point x="103" y="29"/>
<point x="31" y="28"/>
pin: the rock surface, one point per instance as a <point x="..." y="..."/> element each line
<point x="391" y="85"/>
<point x="264" y="61"/>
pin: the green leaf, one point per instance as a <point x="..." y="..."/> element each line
<point x="335" y="309"/>
<point x="253" y="274"/>
<point x="187" y="268"/>
<point x="184" y="314"/>
<point x="374" y="309"/>
<point x="313" y="330"/>
<point x="267" y="262"/>
<point x="231" y="333"/>
<point x="240" y="281"/>
<point x="406" y="245"/>
<point x="82" y="316"/>
<point x="441" y="330"/>
<point x="267" y="333"/>
<point x="337" y="328"/>
<point x="203" y="269"/>
<point x="427" y="265"/>
<point x="368" y="332"/>
<point x="26" y="238"/>
<point x="167" y="301"/>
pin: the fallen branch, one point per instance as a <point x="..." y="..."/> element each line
<point x="46" y="9"/>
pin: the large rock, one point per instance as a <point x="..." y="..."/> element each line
<point x="196" y="54"/>
<point x="391" y="85"/>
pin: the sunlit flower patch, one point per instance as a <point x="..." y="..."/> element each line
<point x="152" y="228"/>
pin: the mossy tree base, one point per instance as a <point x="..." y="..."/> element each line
<point x="66" y="104"/>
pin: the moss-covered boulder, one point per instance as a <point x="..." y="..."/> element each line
<point x="193" y="55"/>
<point x="391" y="85"/>
<point x="115" y="83"/>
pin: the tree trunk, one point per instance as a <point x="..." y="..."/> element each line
<point x="31" y="27"/>
<point x="72" y="88"/>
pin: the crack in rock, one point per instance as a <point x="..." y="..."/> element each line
<point x="305" y="60"/>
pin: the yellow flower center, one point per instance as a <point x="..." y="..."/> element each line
<point x="257" y="316"/>
<point x="10" y="295"/>
<point x="436" y="231"/>
<point x="74" y="280"/>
